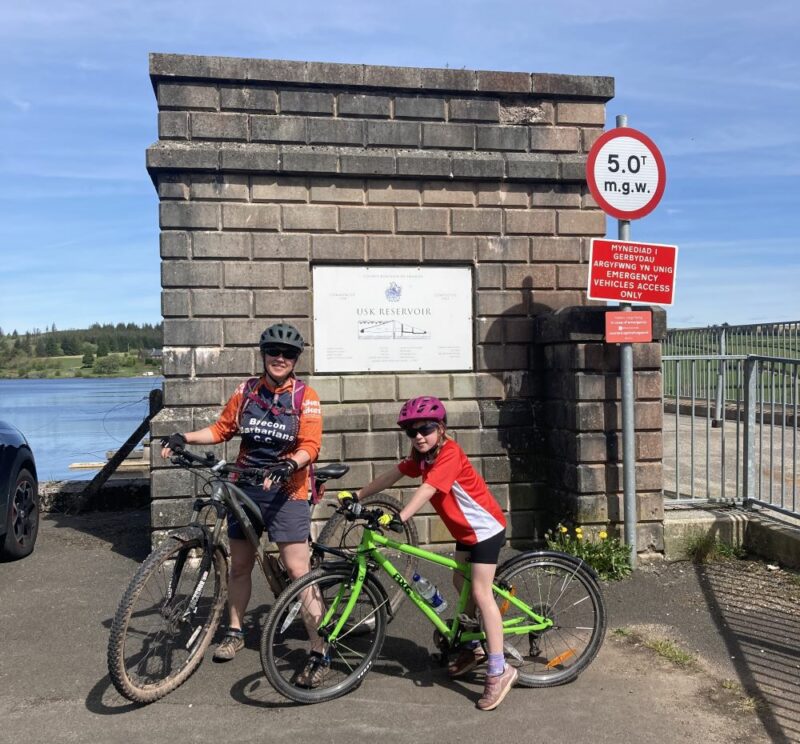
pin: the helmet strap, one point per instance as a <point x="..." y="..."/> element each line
<point x="431" y="455"/>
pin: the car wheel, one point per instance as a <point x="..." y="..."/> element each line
<point x="23" y="517"/>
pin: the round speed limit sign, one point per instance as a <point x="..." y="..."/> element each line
<point x="626" y="173"/>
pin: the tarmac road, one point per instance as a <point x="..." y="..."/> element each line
<point x="56" y="607"/>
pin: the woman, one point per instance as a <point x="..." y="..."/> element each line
<point x="279" y="420"/>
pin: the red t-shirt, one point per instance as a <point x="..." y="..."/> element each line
<point x="462" y="499"/>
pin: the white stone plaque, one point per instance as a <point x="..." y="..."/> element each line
<point x="392" y="318"/>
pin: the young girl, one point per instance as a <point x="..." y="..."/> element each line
<point x="460" y="497"/>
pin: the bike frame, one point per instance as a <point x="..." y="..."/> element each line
<point x="226" y="494"/>
<point x="369" y="548"/>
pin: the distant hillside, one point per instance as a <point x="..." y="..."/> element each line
<point x="100" y="350"/>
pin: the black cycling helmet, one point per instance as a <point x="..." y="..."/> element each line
<point x="281" y="333"/>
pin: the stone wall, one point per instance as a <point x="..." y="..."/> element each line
<point x="581" y="423"/>
<point x="267" y="168"/>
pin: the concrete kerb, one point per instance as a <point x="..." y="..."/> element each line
<point x="118" y="492"/>
<point x="755" y="531"/>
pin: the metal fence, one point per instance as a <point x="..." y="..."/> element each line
<point x="718" y="379"/>
<point x="767" y="339"/>
<point x="770" y="433"/>
<point x="744" y="451"/>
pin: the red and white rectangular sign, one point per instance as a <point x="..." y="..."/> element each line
<point x="624" y="271"/>
<point x="633" y="326"/>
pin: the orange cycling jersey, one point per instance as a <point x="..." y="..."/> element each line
<point x="270" y="428"/>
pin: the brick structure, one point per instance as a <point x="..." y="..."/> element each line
<point x="265" y="168"/>
<point x="581" y="422"/>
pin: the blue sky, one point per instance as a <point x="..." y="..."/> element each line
<point x="716" y="85"/>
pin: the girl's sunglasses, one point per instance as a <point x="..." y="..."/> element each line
<point x="424" y="429"/>
<point x="287" y="352"/>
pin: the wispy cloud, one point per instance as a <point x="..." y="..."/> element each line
<point x="18" y="103"/>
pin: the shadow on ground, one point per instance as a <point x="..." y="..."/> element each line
<point x="756" y="611"/>
<point x="126" y="533"/>
<point x="738" y="616"/>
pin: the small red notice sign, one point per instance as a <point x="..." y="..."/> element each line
<point x="629" y="327"/>
<point x="623" y="271"/>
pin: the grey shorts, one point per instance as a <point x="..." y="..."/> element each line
<point x="287" y="520"/>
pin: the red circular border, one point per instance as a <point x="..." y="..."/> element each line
<point x="662" y="173"/>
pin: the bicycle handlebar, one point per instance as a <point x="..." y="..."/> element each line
<point x="188" y="459"/>
<point x="353" y="509"/>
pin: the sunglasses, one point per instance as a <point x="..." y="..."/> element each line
<point x="287" y="352"/>
<point x="424" y="429"/>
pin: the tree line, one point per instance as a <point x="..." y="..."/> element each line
<point x="97" y="340"/>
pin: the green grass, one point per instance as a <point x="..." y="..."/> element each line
<point x="666" y="649"/>
<point x="670" y="651"/>
<point x="70" y="366"/>
<point x="706" y="548"/>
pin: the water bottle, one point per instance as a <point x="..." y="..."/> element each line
<point x="430" y="594"/>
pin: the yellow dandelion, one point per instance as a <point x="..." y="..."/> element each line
<point x="562" y="530"/>
<point x="579" y="530"/>
<point x="603" y="535"/>
<point x="579" y="536"/>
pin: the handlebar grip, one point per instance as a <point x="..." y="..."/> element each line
<point x="391" y="522"/>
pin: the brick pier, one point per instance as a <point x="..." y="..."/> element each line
<point x="266" y="168"/>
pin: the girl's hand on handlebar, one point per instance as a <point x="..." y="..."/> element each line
<point x="391" y="522"/>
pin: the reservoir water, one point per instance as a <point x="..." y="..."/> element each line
<point x="75" y="420"/>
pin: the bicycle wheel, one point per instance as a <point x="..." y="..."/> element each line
<point x="159" y="636"/>
<point x="338" y="532"/>
<point x="557" y="589"/>
<point x="294" y="619"/>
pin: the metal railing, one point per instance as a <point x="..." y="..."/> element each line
<point x="725" y="341"/>
<point x="771" y="479"/>
<point x="767" y="339"/>
<point x="745" y="452"/>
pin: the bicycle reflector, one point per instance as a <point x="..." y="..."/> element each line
<point x="561" y="657"/>
<point x="506" y="604"/>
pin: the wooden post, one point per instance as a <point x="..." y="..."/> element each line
<point x="94" y="486"/>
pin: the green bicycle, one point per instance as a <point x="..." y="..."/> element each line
<point x="554" y="618"/>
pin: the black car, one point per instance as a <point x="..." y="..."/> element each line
<point x="19" y="498"/>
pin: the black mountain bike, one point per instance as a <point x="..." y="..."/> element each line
<point x="173" y="605"/>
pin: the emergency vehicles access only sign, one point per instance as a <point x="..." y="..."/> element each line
<point x="625" y="271"/>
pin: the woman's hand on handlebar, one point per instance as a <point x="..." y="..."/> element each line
<point x="173" y="443"/>
<point x="279" y="472"/>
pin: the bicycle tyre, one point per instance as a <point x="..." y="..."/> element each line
<point x="285" y="638"/>
<point x="147" y="664"/>
<point x="338" y="532"/>
<point x="560" y="589"/>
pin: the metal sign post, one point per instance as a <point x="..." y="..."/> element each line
<point x="628" y="420"/>
<point x="626" y="175"/>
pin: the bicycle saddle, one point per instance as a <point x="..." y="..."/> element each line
<point x="334" y="470"/>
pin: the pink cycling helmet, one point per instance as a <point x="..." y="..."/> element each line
<point x="424" y="408"/>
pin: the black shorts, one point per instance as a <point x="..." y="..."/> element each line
<point x="286" y="520"/>
<point x="485" y="551"/>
